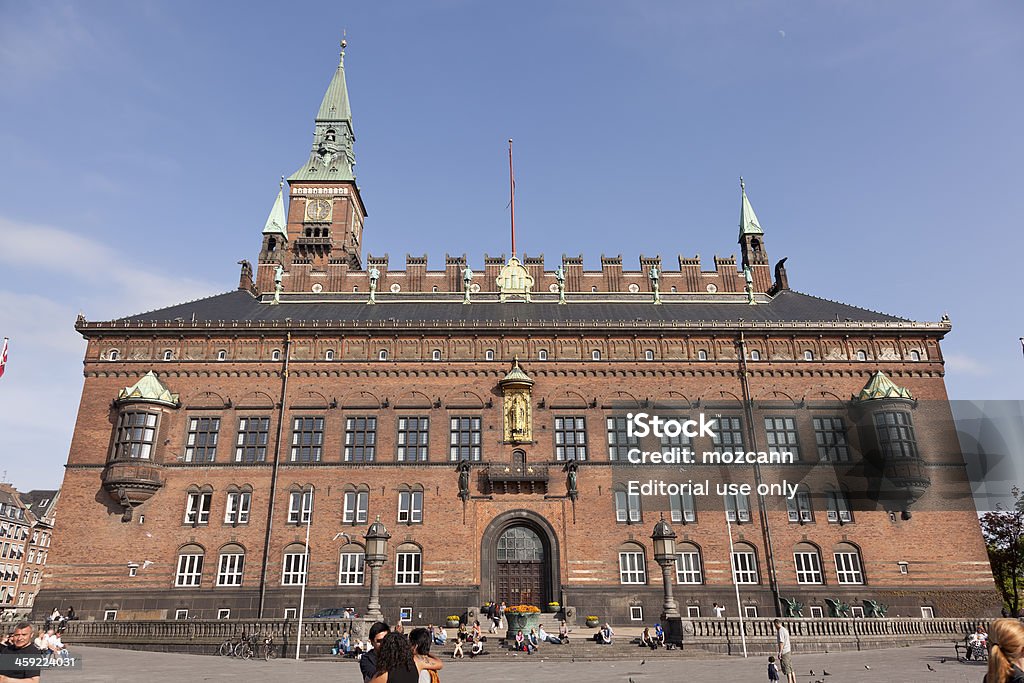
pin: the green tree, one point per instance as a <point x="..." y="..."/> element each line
<point x="1004" y="536"/>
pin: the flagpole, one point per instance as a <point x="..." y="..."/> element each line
<point x="512" y="196"/>
<point x="732" y="566"/>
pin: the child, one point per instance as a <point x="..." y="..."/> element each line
<point x="773" y="671"/>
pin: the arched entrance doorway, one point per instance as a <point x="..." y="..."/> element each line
<point x="519" y="558"/>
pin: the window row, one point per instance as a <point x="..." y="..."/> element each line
<point x="860" y="355"/>
<point x="230" y="567"/>
<point x="683" y="507"/>
<point x="41" y="539"/>
<point x="12" y="551"/>
<point x="355" y="506"/>
<point x="10" y="572"/>
<point x="744" y="566"/>
<point x="11" y="511"/>
<point x="15" y="531"/>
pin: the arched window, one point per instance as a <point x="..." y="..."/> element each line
<point x="648" y="354"/>
<point x="329" y="354"/>
<point x="799" y="506"/>
<point x="329" y="135"/>
<point x="189" y="571"/>
<point x="755" y="354"/>
<point x="674" y="290"/>
<point x="198" y="501"/>
<point x="838" y="504"/>
<point x="113" y="354"/>
<point x="355" y="288"/>
<point x="702" y="355"/>
<point x="632" y="564"/>
<point x="542" y="354"/>
<point x="433" y="289"/>
<point x="627" y="506"/>
<point x="309" y="232"/>
<point x="744" y="564"/>
<point x="351" y="566"/>
<point x="915" y="355"/>
<point x="489" y="354"/>
<point x="272" y="244"/>
<point x="848" y="565"/>
<point x="326" y="232"/>
<point x="807" y="561"/>
<point x="808" y="354"/>
<point x="168" y="354"/>
<point x="593" y="289"/>
<point x="293" y="571"/>
<point x="595" y="354"/>
<point x="435" y="354"/>
<point x="275" y="354"/>
<point x="408" y="565"/>
<point x="689" y="568"/>
<point x="230" y="565"/>
<point x="862" y="355"/>
<point x="382" y="354"/>
<point x="222" y="355"/>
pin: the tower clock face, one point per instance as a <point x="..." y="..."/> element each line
<point x="318" y="209"/>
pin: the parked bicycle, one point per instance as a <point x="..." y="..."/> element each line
<point x="269" y="651"/>
<point x="227" y="648"/>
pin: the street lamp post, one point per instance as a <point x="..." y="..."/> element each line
<point x="665" y="555"/>
<point x="376" y="554"/>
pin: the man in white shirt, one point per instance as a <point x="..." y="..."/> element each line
<point x="785" y="651"/>
<point x="719" y="610"/>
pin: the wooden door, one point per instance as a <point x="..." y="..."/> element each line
<point x="521" y="571"/>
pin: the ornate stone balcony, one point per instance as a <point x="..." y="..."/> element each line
<point x="132" y="482"/>
<point x="516" y="479"/>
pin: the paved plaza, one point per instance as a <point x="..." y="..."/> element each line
<point x="906" y="664"/>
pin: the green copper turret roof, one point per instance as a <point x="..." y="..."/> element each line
<point x="148" y="390"/>
<point x="276" y="221"/>
<point x="748" y="221"/>
<point x="332" y="156"/>
<point x="880" y="386"/>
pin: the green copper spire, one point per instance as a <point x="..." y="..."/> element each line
<point x="332" y="157"/>
<point x="748" y="221"/>
<point x="880" y="386"/>
<point x="276" y="221"/>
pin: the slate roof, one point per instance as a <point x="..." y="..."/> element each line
<point x="787" y="306"/>
<point x="39" y="501"/>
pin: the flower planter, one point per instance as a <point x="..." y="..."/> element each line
<point x="552" y="609"/>
<point x="593" y="623"/>
<point x="520" y="622"/>
<point x="452" y="623"/>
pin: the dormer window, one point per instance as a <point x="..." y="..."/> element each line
<point x="702" y="355"/>
<point x="542" y="355"/>
<point x="595" y="354"/>
<point x="755" y="354"/>
<point x="222" y="355"/>
<point x="914" y="355"/>
<point x="329" y="354"/>
<point x="648" y="355"/>
<point x="862" y="355"/>
<point x="808" y="355"/>
<point x="382" y="354"/>
<point x="114" y="354"/>
<point x="275" y="354"/>
<point x="489" y="354"/>
<point x="168" y="355"/>
<point x="435" y="354"/>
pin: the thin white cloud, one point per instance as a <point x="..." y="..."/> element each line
<point x="956" y="362"/>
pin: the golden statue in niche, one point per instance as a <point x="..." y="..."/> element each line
<point x="518" y="412"/>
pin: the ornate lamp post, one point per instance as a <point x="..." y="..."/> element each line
<point x="376" y="554"/>
<point x="665" y="555"/>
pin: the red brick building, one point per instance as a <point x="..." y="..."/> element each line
<point x="481" y="416"/>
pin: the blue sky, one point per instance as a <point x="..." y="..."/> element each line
<point x="142" y="143"/>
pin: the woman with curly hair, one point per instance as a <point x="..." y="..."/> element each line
<point x="1006" y="655"/>
<point x="395" y="662"/>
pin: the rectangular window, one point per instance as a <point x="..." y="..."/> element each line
<point x="619" y="440"/>
<point x="636" y="613"/>
<point x="693" y="612"/>
<point x="190" y="570"/>
<point x="237" y="510"/>
<point x="927" y="612"/>
<point x="799" y="507"/>
<point x="413" y="437"/>
<point x="251" y="444"/>
<point x="680" y="440"/>
<point x="848" y="568"/>
<point x="407" y="569"/>
<point x="294" y="573"/>
<point x="229" y="572"/>
<point x="570" y="438"/>
<point x="290" y="612"/>
<point x="683" y="508"/>
<point x="224" y="614"/>
<point x="808" y="567"/>
<point x="465" y="439"/>
<point x="197" y="508"/>
<point x="110" y="615"/>
<point x="300" y="507"/>
<point x="750" y="611"/>
<point x="360" y="439"/>
<point x="180" y="614"/>
<point x="838" y="507"/>
<point x="737" y="508"/>
<point x="307" y="439"/>
<point x="856" y="611"/>
<point x="135" y="435"/>
<point x="896" y="435"/>
<point x="351" y="569"/>
<point x="817" y="612"/>
<point x="133" y="570"/>
<point x="744" y="567"/>
<point x="781" y="433"/>
<point x="410" y="507"/>
<point x="356" y="504"/>
<point x="830" y="438"/>
<point x="627" y="507"/>
<point x="728" y="434"/>
<point x="688" y="568"/>
<point x="632" y="568"/>
<point x="201" y="441"/>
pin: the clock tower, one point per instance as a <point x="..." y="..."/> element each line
<point x="325" y="211"/>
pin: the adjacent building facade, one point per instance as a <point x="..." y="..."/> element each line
<point x="482" y="418"/>
<point x="26" y="529"/>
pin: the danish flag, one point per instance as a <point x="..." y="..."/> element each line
<point x="3" y="358"/>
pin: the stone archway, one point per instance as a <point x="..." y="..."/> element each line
<point x="519" y="558"/>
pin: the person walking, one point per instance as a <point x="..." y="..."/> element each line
<point x="396" y="662"/>
<point x="785" y="651"/>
